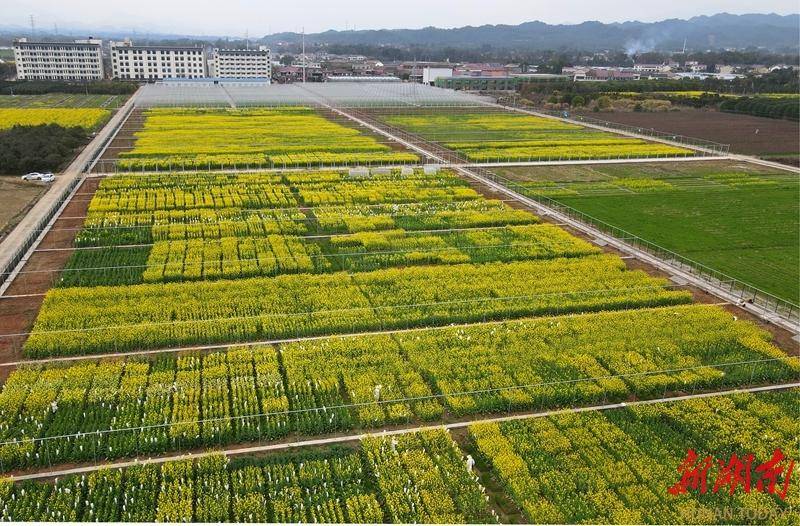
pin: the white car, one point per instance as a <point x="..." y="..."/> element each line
<point x="36" y="176"/>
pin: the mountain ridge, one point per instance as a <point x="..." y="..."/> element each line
<point x="722" y="30"/>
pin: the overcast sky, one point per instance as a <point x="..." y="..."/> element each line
<point x="235" y="17"/>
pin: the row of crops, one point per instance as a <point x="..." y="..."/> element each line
<point x="508" y="137"/>
<point x="473" y="308"/>
<point x="124" y="228"/>
<point x="274" y="254"/>
<point x="87" y="118"/>
<point x="614" y="466"/>
<point x="247" y="191"/>
<point x="152" y="316"/>
<point x="412" y="478"/>
<point x="267" y="273"/>
<point x="194" y="139"/>
<point x="117" y="408"/>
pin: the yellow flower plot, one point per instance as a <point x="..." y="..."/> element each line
<point x="264" y="137"/>
<point x="88" y="118"/>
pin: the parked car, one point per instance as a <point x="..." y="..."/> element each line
<point x="36" y="176"/>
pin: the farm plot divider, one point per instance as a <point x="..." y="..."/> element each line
<point x="705" y="146"/>
<point x="745" y="292"/>
<point x="94" y="410"/>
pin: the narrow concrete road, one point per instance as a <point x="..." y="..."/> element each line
<point x="357" y="437"/>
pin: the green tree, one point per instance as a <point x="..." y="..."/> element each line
<point x="603" y="102"/>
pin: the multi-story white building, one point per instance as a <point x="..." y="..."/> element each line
<point x="76" y="60"/>
<point x="304" y="61"/>
<point x="652" y="68"/>
<point x="157" y="62"/>
<point x="241" y="63"/>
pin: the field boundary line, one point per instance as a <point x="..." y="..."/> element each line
<point x="279" y="341"/>
<point x="16" y="240"/>
<point x="543" y="210"/>
<point x="360" y="436"/>
<point x="731" y="156"/>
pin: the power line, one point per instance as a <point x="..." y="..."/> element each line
<point x="606" y="291"/>
<point x="271" y="257"/>
<point x="407" y="399"/>
<point x="384" y="433"/>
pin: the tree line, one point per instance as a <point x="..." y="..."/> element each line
<point x="40" y="87"/>
<point x="38" y="148"/>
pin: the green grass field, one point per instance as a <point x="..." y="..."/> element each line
<point x="738" y="219"/>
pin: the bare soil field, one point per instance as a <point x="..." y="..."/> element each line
<point x="746" y="134"/>
<point x="16" y="198"/>
<point x="19" y="308"/>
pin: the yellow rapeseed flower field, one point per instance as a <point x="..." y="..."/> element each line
<point x="89" y="118"/>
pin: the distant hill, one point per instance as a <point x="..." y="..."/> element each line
<point x="770" y="31"/>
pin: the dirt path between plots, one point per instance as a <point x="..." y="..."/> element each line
<point x="123" y="141"/>
<point x="17" y="314"/>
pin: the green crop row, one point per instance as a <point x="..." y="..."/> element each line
<point x="416" y="478"/>
<point x="615" y="467"/>
<point x="104" y="319"/>
<point x="273" y="254"/>
<point x="128" y="228"/>
<point x="136" y="407"/>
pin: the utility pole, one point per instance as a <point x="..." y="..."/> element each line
<point x="303" y="55"/>
<point x="247" y="38"/>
